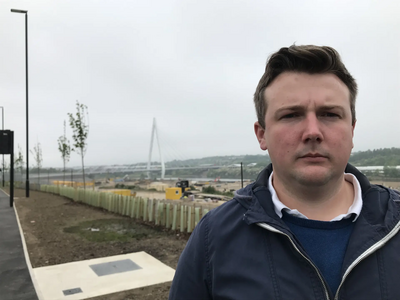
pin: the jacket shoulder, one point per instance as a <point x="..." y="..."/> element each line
<point x="193" y="275"/>
<point x="226" y="213"/>
<point x="385" y="193"/>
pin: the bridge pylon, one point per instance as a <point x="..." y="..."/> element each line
<point x="153" y="132"/>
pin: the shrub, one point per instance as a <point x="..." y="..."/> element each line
<point x="210" y="190"/>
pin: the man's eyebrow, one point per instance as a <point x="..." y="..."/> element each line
<point x="290" y="108"/>
<point x="331" y="107"/>
<point x="302" y="108"/>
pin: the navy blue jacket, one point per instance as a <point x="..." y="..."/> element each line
<point x="243" y="250"/>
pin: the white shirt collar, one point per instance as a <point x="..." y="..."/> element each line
<point x="355" y="208"/>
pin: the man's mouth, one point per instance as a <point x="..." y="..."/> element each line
<point x="314" y="157"/>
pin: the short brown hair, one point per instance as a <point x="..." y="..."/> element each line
<point x="308" y="59"/>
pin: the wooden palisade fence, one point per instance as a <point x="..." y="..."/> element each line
<point x="173" y="215"/>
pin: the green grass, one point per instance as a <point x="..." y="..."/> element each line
<point x="111" y="230"/>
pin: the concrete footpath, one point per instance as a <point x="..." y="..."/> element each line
<point x="15" y="278"/>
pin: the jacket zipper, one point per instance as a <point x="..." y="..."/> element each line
<point x="270" y="228"/>
<point x="368" y="252"/>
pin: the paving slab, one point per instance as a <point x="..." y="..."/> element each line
<point x="15" y="277"/>
<point x="101" y="276"/>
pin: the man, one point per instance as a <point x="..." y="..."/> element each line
<point x="311" y="226"/>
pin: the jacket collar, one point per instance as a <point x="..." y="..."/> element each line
<point x="362" y="179"/>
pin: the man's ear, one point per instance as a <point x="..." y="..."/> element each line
<point x="352" y="131"/>
<point x="260" y="134"/>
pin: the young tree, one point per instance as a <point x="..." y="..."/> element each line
<point x="80" y="128"/>
<point x="64" y="147"/>
<point x="37" y="156"/>
<point x="19" y="161"/>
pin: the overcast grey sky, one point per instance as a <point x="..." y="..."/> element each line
<point x="193" y="65"/>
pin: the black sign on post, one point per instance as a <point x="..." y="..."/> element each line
<point x="5" y="141"/>
<point x="7" y="147"/>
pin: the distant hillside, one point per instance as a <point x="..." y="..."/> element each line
<point x="377" y="157"/>
<point x="221" y="161"/>
<point x="256" y="162"/>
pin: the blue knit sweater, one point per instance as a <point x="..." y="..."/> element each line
<point x="324" y="242"/>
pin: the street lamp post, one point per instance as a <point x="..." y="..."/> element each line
<point x="2" y="128"/>
<point x="27" y="108"/>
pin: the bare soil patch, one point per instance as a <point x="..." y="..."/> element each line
<point x="58" y="230"/>
<point x="391" y="184"/>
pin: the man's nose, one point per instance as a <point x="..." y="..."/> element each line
<point x="312" y="129"/>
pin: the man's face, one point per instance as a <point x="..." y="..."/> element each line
<point x="308" y="128"/>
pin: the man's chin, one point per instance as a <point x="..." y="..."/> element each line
<point x="315" y="177"/>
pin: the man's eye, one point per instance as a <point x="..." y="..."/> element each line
<point x="289" y="116"/>
<point x="330" y="115"/>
